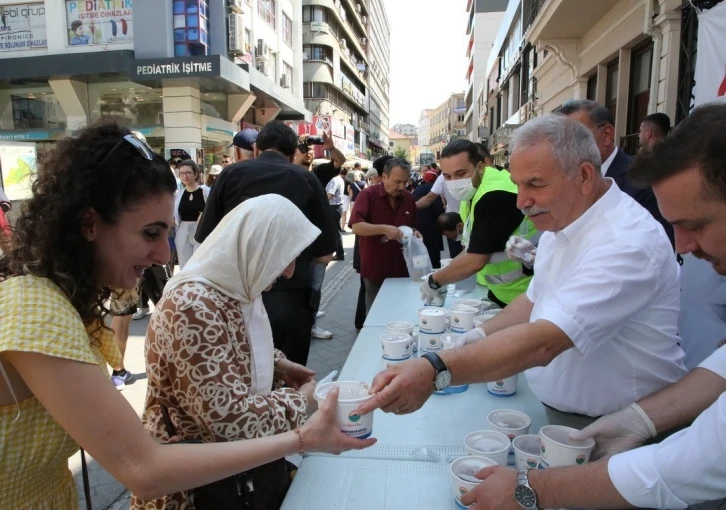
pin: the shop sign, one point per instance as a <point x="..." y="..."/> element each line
<point x="28" y="135"/>
<point x="99" y="22"/>
<point x="22" y="27"/>
<point x="179" y="67"/>
<point x="18" y="166"/>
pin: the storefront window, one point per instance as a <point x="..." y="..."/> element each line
<point x="30" y="108"/>
<point x="214" y="104"/>
<point x="132" y="104"/>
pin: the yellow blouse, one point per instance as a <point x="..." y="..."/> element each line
<point x="36" y="316"/>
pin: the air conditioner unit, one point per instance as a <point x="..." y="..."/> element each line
<point x="262" y="49"/>
<point x="236" y="44"/>
<point x="285" y="81"/>
<point x="343" y="43"/>
<point x="364" y="19"/>
<point x="235" y="5"/>
<point x="359" y="8"/>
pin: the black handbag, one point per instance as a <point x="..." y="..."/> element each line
<point x="261" y="488"/>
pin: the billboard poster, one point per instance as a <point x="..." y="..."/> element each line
<point x="18" y="166"/>
<point x="99" y="22"/>
<point x="22" y="27"/>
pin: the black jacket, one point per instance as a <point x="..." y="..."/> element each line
<point x="618" y="171"/>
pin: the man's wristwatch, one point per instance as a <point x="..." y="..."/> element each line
<point x="523" y="493"/>
<point x="432" y="282"/>
<point x="442" y="379"/>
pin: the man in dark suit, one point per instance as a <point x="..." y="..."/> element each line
<point x="615" y="163"/>
<point x="272" y="171"/>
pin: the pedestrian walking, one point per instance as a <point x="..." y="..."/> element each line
<point x="188" y="209"/>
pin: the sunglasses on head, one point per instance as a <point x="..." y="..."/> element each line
<point x="140" y="145"/>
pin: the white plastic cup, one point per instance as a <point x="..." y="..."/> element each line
<point x="558" y="450"/>
<point x="490" y="444"/>
<point x="511" y="423"/>
<point x="387" y="363"/>
<point x="432" y="319"/>
<point x="428" y="342"/>
<point x="474" y="303"/>
<point x="526" y="451"/>
<point x="504" y="388"/>
<point x="402" y="327"/>
<point x="485" y="316"/>
<point x="462" y="475"/>
<point x="396" y="346"/>
<point x="462" y="318"/>
<point x="352" y="395"/>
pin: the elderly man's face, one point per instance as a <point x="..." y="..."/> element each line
<point x="545" y="194"/>
<point x="395" y="182"/>
<point x="698" y="217"/>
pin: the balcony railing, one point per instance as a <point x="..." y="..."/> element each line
<point x="630" y="144"/>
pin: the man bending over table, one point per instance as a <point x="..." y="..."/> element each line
<point x="596" y="330"/>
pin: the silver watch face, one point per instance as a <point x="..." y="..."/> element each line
<point x="525" y="496"/>
<point x="443" y="380"/>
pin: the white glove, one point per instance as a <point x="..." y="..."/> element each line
<point x="618" y="432"/>
<point x="435" y="297"/>
<point x="471" y="337"/>
<point x="521" y="250"/>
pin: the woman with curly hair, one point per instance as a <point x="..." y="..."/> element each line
<point x="101" y="207"/>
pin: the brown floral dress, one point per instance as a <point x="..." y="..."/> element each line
<point x="198" y="365"/>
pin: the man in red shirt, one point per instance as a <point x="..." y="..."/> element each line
<point x="379" y="211"/>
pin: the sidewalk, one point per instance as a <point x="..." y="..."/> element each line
<point x="340" y="294"/>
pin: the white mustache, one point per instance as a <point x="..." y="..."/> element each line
<point x="534" y="210"/>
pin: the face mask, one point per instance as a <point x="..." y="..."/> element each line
<point x="461" y="189"/>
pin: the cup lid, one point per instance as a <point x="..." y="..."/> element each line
<point x="400" y="325"/>
<point x="433" y="311"/>
<point x="350" y="391"/>
<point x="396" y="337"/>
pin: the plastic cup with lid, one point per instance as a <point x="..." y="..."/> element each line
<point x="490" y="444"/>
<point x="503" y="388"/>
<point x="396" y="346"/>
<point x="462" y="475"/>
<point x="462" y="318"/>
<point x="352" y="395"/>
<point x="432" y="319"/>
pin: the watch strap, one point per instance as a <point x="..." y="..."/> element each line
<point x="432" y="283"/>
<point x="436" y="362"/>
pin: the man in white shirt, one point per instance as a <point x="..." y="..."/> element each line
<point x="689" y="178"/>
<point x="597" y="329"/>
<point x="335" y="189"/>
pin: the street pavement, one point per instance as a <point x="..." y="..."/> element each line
<point x="339" y="297"/>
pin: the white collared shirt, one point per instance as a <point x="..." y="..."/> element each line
<point x="685" y="469"/>
<point x="609" y="280"/>
<point x="606" y="164"/>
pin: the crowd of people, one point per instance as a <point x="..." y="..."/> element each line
<point x="590" y="298"/>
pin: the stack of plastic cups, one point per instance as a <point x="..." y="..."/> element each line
<point x="431" y="325"/>
<point x="396" y="348"/>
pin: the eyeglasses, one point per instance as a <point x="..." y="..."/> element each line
<point x="598" y="127"/>
<point x="186" y="173"/>
<point x="141" y="146"/>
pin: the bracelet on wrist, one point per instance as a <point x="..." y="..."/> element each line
<point x="300" y="441"/>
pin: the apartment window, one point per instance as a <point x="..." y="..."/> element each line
<point x="272" y="66"/>
<point x="287" y="69"/>
<point x="318" y="52"/>
<point x="266" y="9"/>
<point x="287" y="29"/>
<point x="642" y="61"/>
<point x="611" y="90"/>
<point x="316" y="14"/>
<point x="248" y="38"/>
<point x="592" y="87"/>
<point x="191" y="28"/>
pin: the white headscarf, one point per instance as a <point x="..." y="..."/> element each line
<point x="248" y="250"/>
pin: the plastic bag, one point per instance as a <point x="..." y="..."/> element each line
<point x="417" y="258"/>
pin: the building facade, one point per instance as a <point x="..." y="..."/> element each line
<point x="187" y="74"/>
<point x="401" y="144"/>
<point x="447" y="123"/>
<point x="405" y="129"/>
<point x="346" y="56"/>
<point x="621" y="53"/>
<point x="483" y="20"/>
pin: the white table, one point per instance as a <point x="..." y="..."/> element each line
<point x="400" y="298"/>
<point x="327" y="483"/>
<point x="444" y="420"/>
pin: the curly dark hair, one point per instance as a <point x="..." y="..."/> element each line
<point x="47" y="238"/>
